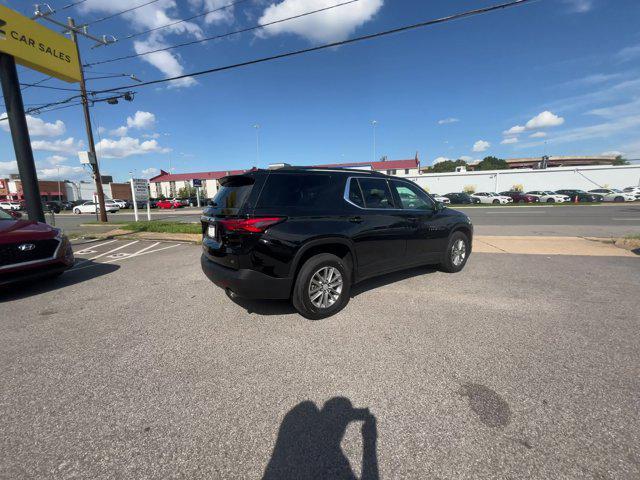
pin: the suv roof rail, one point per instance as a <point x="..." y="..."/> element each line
<point x="276" y="166"/>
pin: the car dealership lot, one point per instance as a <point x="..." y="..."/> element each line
<point x="135" y="366"/>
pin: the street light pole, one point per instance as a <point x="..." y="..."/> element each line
<point x="374" y="123"/>
<point x="257" y="127"/>
<point x="87" y="122"/>
<point x="59" y="192"/>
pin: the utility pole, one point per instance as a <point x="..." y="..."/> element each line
<point x="257" y="127"/>
<point x="87" y="121"/>
<point x="374" y="123"/>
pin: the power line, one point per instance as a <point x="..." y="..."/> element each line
<point x="117" y="14"/>
<point x="72" y="5"/>
<point x="46" y="105"/>
<point x="37" y="84"/>
<point x="216" y="37"/>
<point x="182" y="20"/>
<point x="349" y="41"/>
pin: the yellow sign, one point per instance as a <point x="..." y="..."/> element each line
<point x="38" y="47"/>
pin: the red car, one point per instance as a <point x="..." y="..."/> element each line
<point x="31" y="249"/>
<point x="169" y="204"/>
<point x="520" y="197"/>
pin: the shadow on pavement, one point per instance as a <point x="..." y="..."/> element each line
<point x="79" y="273"/>
<point x="308" y="444"/>
<point x="284" y="307"/>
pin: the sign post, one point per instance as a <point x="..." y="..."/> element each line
<point x="197" y="183"/>
<point x="140" y="192"/>
<point x="28" y="43"/>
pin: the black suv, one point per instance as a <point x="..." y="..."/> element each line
<point x="309" y="233"/>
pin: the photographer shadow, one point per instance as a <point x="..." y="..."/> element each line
<point x="308" y="444"/>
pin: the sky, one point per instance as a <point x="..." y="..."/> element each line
<point x="555" y="77"/>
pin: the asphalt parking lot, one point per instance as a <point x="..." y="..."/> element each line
<point x="132" y="365"/>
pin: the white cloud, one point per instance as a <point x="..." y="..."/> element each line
<point x="628" y="53"/>
<point x="332" y="25"/>
<point x="56" y="159"/>
<point x="466" y="158"/>
<point x="481" y="146"/>
<point x="222" y="15"/>
<point x="538" y="135"/>
<point x="631" y="107"/>
<point x="544" y="120"/>
<point x="119" y="132"/>
<point x="127" y="146"/>
<point x="445" y="121"/>
<point x="65" y="146"/>
<point x="579" y="6"/>
<point x="150" y="172"/>
<point x="62" y="172"/>
<point x="509" y="140"/>
<point x="614" y="153"/>
<point x="8" y="167"/>
<point x="514" y="130"/>
<point x="166" y="62"/>
<point x="141" y="120"/>
<point x="151" y="135"/>
<point x="38" y="127"/>
<point x="101" y="130"/>
<point x="441" y="159"/>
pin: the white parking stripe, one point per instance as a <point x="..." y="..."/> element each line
<point x="130" y="256"/>
<point x="103" y="254"/>
<point x="79" y="252"/>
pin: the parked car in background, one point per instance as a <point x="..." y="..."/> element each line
<point x="9" y="205"/>
<point x="581" y="195"/>
<point x="492" y="197"/>
<point x="121" y="203"/>
<point x="520" y="197"/>
<point x="548" y="196"/>
<point x="441" y="198"/>
<point x="31" y="249"/>
<point x="461" y="198"/>
<point x="52" y="206"/>
<point x="166" y="204"/>
<point x="92" y="207"/>
<point x="263" y="239"/>
<point x="633" y="190"/>
<point x="614" y="195"/>
<point x="67" y="205"/>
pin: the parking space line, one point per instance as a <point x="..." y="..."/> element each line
<point x="144" y="251"/>
<point x="103" y="254"/>
<point x="79" y="252"/>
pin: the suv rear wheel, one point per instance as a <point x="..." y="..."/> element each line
<point x="322" y="287"/>
<point x="456" y="254"/>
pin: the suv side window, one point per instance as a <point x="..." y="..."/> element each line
<point x="411" y="197"/>
<point x="355" y="194"/>
<point x="376" y="193"/>
<point x="295" y="190"/>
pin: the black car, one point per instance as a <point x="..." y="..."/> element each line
<point x="308" y="234"/>
<point x="461" y="198"/>
<point x="581" y="194"/>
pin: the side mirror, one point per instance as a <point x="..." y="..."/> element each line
<point x="439" y="206"/>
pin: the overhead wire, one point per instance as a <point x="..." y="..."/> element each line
<point x="404" y="28"/>
<point x="217" y="37"/>
<point x="117" y="14"/>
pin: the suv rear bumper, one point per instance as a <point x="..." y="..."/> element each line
<point x="246" y="283"/>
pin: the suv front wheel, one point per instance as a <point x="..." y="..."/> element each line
<point x="322" y="287"/>
<point x="457" y="252"/>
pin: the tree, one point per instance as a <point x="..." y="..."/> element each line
<point x="620" y="160"/>
<point x="492" y="163"/>
<point x="446" y="166"/>
<point x="186" y="192"/>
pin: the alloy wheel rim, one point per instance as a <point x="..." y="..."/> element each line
<point x="458" y="252"/>
<point x="325" y="287"/>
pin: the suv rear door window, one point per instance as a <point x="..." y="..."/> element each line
<point x="295" y="190"/>
<point x="232" y="195"/>
<point x="376" y="193"/>
<point x="355" y="194"/>
<point x="411" y="197"/>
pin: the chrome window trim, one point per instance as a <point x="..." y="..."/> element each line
<point x="34" y="262"/>
<point x="345" y="196"/>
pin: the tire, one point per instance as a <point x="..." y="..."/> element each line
<point x="550" y="200"/>
<point x="449" y="263"/>
<point x="496" y="201"/>
<point x="313" y="269"/>
<point x="618" y="199"/>
<point x="76" y="211"/>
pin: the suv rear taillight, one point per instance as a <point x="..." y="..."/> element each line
<point x="253" y="225"/>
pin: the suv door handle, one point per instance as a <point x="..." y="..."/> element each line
<point x="413" y="219"/>
<point x="355" y="219"/>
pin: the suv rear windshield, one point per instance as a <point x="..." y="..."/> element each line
<point x="232" y="195"/>
<point x="295" y="190"/>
